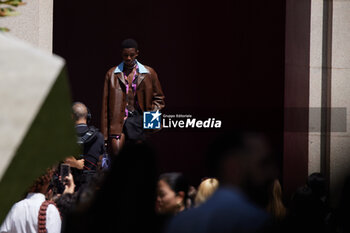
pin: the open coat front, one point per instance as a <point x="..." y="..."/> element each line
<point x="149" y="95"/>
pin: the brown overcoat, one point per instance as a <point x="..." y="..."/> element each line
<point x="149" y="94"/>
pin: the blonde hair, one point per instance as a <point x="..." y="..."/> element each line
<point x="205" y="190"/>
<point x="275" y="206"/>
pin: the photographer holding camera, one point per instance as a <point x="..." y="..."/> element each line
<point x="91" y="142"/>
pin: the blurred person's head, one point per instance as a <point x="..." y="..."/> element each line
<point x="317" y="183"/>
<point x="275" y="206"/>
<point x="80" y="113"/>
<point x="302" y="201"/>
<point x="205" y="190"/>
<point x="243" y="160"/>
<point x="172" y="193"/>
<point x="306" y="212"/>
<point x="66" y="204"/>
<point x="42" y="183"/>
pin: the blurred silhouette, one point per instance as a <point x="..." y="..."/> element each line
<point x="66" y="204"/>
<point x="242" y="163"/>
<point x="317" y="183"/>
<point x="308" y="212"/>
<point x="343" y="213"/>
<point x="125" y="200"/>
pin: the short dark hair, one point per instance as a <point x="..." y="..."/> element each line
<point x="317" y="183"/>
<point x="66" y="203"/>
<point x="129" y="43"/>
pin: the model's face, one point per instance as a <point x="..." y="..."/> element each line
<point x="129" y="55"/>
<point x="167" y="200"/>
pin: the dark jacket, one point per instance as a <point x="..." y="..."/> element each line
<point x="226" y="211"/>
<point x="149" y="93"/>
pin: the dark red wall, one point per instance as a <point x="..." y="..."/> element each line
<point x="222" y="59"/>
<point x="295" y="164"/>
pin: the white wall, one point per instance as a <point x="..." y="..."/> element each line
<point x="315" y="85"/>
<point x="340" y="141"/>
<point x="340" y="92"/>
<point x="34" y="24"/>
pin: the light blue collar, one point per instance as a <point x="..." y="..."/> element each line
<point x="142" y="69"/>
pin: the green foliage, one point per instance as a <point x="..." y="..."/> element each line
<point x="12" y="2"/>
<point x="9" y="10"/>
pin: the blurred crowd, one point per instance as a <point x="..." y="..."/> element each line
<point x="241" y="193"/>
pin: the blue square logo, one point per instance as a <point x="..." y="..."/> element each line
<point x="151" y="120"/>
